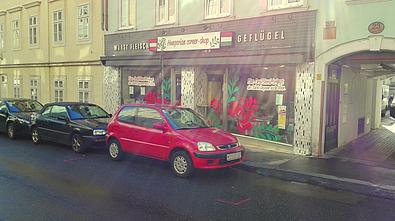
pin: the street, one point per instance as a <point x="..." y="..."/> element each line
<point x="51" y="182"/>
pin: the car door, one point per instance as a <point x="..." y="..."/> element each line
<point x="42" y="123"/>
<point x="3" y="116"/>
<point x="127" y="131"/>
<point x="154" y="142"/>
<point x="59" y="124"/>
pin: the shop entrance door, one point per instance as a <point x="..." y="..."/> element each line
<point x="332" y="109"/>
<point x="214" y="98"/>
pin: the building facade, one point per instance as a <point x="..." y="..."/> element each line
<point x="50" y="50"/>
<point x="248" y="70"/>
<point x="355" y="45"/>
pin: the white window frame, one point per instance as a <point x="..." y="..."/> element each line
<point x="17" y="86"/>
<point x="3" y="86"/>
<point x="33" y="31"/>
<point x="35" y="89"/>
<point x="167" y="18"/>
<point x="59" y="90"/>
<point x="16" y="34"/>
<point x="124" y="15"/>
<point x="58" y="36"/>
<point x="85" y="91"/>
<point x="281" y="4"/>
<point x="83" y="22"/>
<point x="2" y="36"/>
<point x="218" y="13"/>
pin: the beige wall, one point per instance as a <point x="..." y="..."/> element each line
<point x="71" y="60"/>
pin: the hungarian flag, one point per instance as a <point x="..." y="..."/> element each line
<point x="226" y="39"/>
<point x="153" y="44"/>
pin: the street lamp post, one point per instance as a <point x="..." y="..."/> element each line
<point x="162" y="77"/>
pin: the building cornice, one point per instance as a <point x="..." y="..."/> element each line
<point x="32" y="4"/>
<point x="15" y="9"/>
<point x="50" y="1"/>
<point x="3" y="13"/>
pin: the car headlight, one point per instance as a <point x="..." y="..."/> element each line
<point x="204" y="146"/>
<point x="99" y="132"/>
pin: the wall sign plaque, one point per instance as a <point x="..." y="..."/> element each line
<point x="376" y="27"/>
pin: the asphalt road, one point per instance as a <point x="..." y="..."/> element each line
<point x="50" y="182"/>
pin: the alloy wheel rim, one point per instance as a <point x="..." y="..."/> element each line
<point x="35" y="136"/>
<point x="76" y="144"/>
<point x="114" y="150"/>
<point x="180" y="164"/>
<point x="11" y="131"/>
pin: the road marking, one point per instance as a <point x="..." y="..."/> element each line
<point x="74" y="159"/>
<point x="237" y="203"/>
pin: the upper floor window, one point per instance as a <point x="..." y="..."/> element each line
<point x="33" y="31"/>
<point x="1" y="36"/>
<point x="16" y="34"/>
<point x="58" y="26"/>
<point x="166" y="11"/>
<point x="217" y="8"/>
<point x="83" y="22"/>
<point x="124" y="15"/>
<point x="278" y="4"/>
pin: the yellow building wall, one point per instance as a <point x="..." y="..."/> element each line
<point x="71" y="61"/>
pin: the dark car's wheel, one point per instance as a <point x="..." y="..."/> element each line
<point x="115" y="150"/>
<point x="181" y="164"/>
<point x="77" y="144"/>
<point x="35" y="136"/>
<point x="11" y="132"/>
<point x="392" y="112"/>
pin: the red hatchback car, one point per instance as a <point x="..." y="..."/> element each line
<point x="174" y="134"/>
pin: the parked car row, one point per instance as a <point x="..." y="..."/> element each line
<point x="167" y="133"/>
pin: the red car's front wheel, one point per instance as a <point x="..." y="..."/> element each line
<point x="181" y="164"/>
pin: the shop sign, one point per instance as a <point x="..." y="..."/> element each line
<point x="376" y="27"/>
<point x="261" y="36"/>
<point x="131" y="47"/>
<point x="200" y="41"/>
<point x="266" y="84"/>
<point x="282" y="116"/>
<point x="141" y="81"/>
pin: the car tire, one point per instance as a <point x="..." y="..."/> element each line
<point x="181" y="164"/>
<point x="35" y="136"/>
<point x="392" y="112"/>
<point x="77" y="144"/>
<point x="115" y="150"/>
<point x="11" y="132"/>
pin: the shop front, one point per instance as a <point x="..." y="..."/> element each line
<point x="246" y="76"/>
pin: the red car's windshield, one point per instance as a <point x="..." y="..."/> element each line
<point x="184" y="118"/>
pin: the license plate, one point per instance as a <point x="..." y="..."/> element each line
<point x="233" y="156"/>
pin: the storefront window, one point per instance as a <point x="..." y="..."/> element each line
<point x="261" y="102"/>
<point x="145" y="87"/>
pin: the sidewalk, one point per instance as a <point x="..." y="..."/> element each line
<point x="334" y="172"/>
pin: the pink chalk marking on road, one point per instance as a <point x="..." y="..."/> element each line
<point x="74" y="159"/>
<point x="238" y="203"/>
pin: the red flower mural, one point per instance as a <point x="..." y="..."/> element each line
<point x="243" y="111"/>
<point x="154" y="98"/>
<point x="216" y="105"/>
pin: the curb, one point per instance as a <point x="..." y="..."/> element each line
<point x="324" y="180"/>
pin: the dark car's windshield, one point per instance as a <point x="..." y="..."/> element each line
<point x="23" y="106"/>
<point x="77" y="112"/>
<point x="184" y="118"/>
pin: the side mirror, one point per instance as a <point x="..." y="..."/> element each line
<point x="63" y="118"/>
<point x="110" y="115"/>
<point x="160" y="126"/>
<point x="2" y="111"/>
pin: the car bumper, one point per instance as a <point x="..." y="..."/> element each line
<point x="95" y="141"/>
<point x="216" y="160"/>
